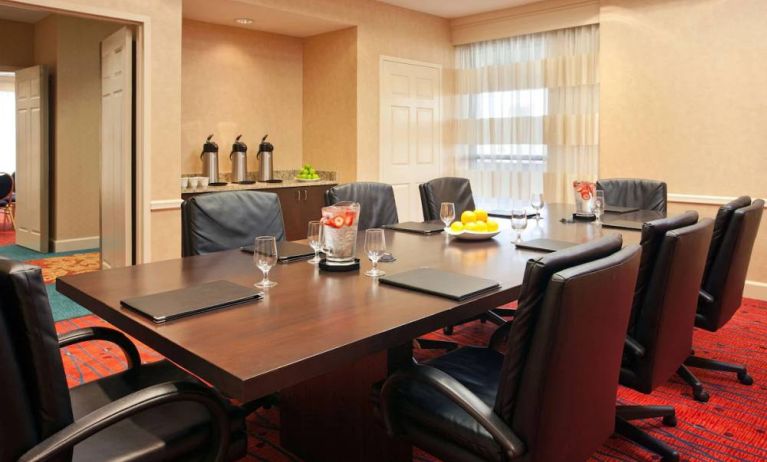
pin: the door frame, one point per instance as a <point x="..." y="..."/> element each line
<point x="440" y="109"/>
<point x="142" y="115"/>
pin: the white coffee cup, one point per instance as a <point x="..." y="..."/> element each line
<point x="192" y="182"/>
<point x="202" y="181"/>
<point x="184" y="182"/>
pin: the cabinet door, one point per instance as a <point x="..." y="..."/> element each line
<point x="291" y="200"/>
<point x="313" y="201"/>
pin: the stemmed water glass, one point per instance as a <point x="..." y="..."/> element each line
<point x="447" y="213"/>
<point x="598" y="206"/>
<point x="265" y="256"/>
<point x="375" y="246"/>
<point x="536" y="201"/>
<point x="314" y="237"/>
<point x="518" y="223"/>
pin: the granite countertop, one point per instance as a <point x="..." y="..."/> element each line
<point x="287" y="177"/>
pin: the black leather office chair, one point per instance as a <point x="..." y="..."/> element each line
<point x="547" y="399"/>
<point x="377" y="205"/>
<point x="633" y="192"/>
<point x="735" y="230"/>
<point x="229" y="220"/>
<point x="150" y="412"/>
<point x="661" y="338"/>
<point x="447" y="189"/>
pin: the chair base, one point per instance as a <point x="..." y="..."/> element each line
<point x="493" y="316"/>
<point x="428" y="344"/>
<point x="623" y="414"/>
<point x="714" y="365"/>
<point x="698" y="392"/>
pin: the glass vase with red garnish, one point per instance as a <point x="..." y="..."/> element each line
<point x="339" y="232"/>
<point x="584" y="192"/>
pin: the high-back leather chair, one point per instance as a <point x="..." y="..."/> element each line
<point x="633" y="192"/>
<point x="377" y="205"/>
<point x="661" y="338"/>
<point x="447" y="189"/>
<point x="229" y="220"/>
<point x="475" y="404"/>
<point x="149" y="412"/>
<point x="735" y="230"/>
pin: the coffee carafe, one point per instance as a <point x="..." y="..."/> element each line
<point x="265" y="165"/>
<point x="209" y="158"/>
<point x="239" y="158"/>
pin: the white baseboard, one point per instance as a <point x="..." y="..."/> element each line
<point x="165" y="204"/>
<point x="755" y="289"/>
<point x="80" y="243"/>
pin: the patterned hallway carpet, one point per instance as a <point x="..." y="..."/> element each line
<point x="54" y="265"/>
<point x="730" y="427"/>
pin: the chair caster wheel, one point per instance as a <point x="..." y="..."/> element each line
<point x="448" y="330"/>
<point x="701" y="396"/>
<point x="745" y="379"/>
<point x="669" y="421"/>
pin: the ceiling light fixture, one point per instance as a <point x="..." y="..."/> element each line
<point x="243" y="21"/>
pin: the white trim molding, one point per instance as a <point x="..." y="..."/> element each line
<point x="755" y="289"/>
<point x="699" y="199"/>
<point x="166" y="204"/>
<point x="79" y="243"/>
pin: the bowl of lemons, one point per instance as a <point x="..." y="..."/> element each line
<point x="308" y="173"/>
<point x="474" y="225"/>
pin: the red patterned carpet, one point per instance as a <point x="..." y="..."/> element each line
<point x="730" y="427"/>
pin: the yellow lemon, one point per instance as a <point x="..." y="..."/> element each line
<point x="481" y="215"/>
<point x="481" y="227"/>
<point x="492" y="226"/>
<point x="468" y="217"/>
<point x="470" y="226"/>
<point x="456" y="227"/>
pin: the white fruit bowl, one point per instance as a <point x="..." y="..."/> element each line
<point x="473" y="235"/>
<point x="307" y="180"/>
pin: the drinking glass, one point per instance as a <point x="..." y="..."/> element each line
<point x="447" y="213"/>
<point x="315" y="239"/>
<point x="375" y="246"/>
<point x="518" y="222"/>
<point x="265" y="256"/>
<point x="536" y="201"/>
<point x="598" y="206"/>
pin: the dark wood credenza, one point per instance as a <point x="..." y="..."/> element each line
<point x="300" y="204"/>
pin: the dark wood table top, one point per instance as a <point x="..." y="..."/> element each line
<point x="312" y="322"/>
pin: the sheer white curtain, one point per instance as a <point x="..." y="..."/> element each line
<point x="527" y="115"/>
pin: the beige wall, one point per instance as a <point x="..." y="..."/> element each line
<point x="236" y="81"/>
<point x="16" y="45"/>
<point x="382" y="29"/>
<point x="330" y="102"/>
<point x="683" y="98"/>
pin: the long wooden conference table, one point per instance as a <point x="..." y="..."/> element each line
<point x="321" y="339"/>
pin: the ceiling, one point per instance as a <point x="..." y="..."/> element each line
<point x="264" y="19"/>
<point x="21" y="15"/>
<point x="456" y="8"/>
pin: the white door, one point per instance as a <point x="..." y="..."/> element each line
<point x="117" y="149"/>
<point x="32" y="177"/>
<point x="410" y="137"/>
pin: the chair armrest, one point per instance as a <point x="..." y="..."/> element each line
<point x="705" y="297"/>
<point x="634" y="347"/>
<point x="135" y="403"/>
<point x="458" y="394"/>
<point x="106" y="334"/>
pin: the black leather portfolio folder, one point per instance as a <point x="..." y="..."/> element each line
<point x="442" y="283"/>
<point x="427" y="227"/>
<point x="287" y="251"/>
<point x="623" y="224"/>
<point x="174" y="304"/>
<point x="544" y="245"/>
